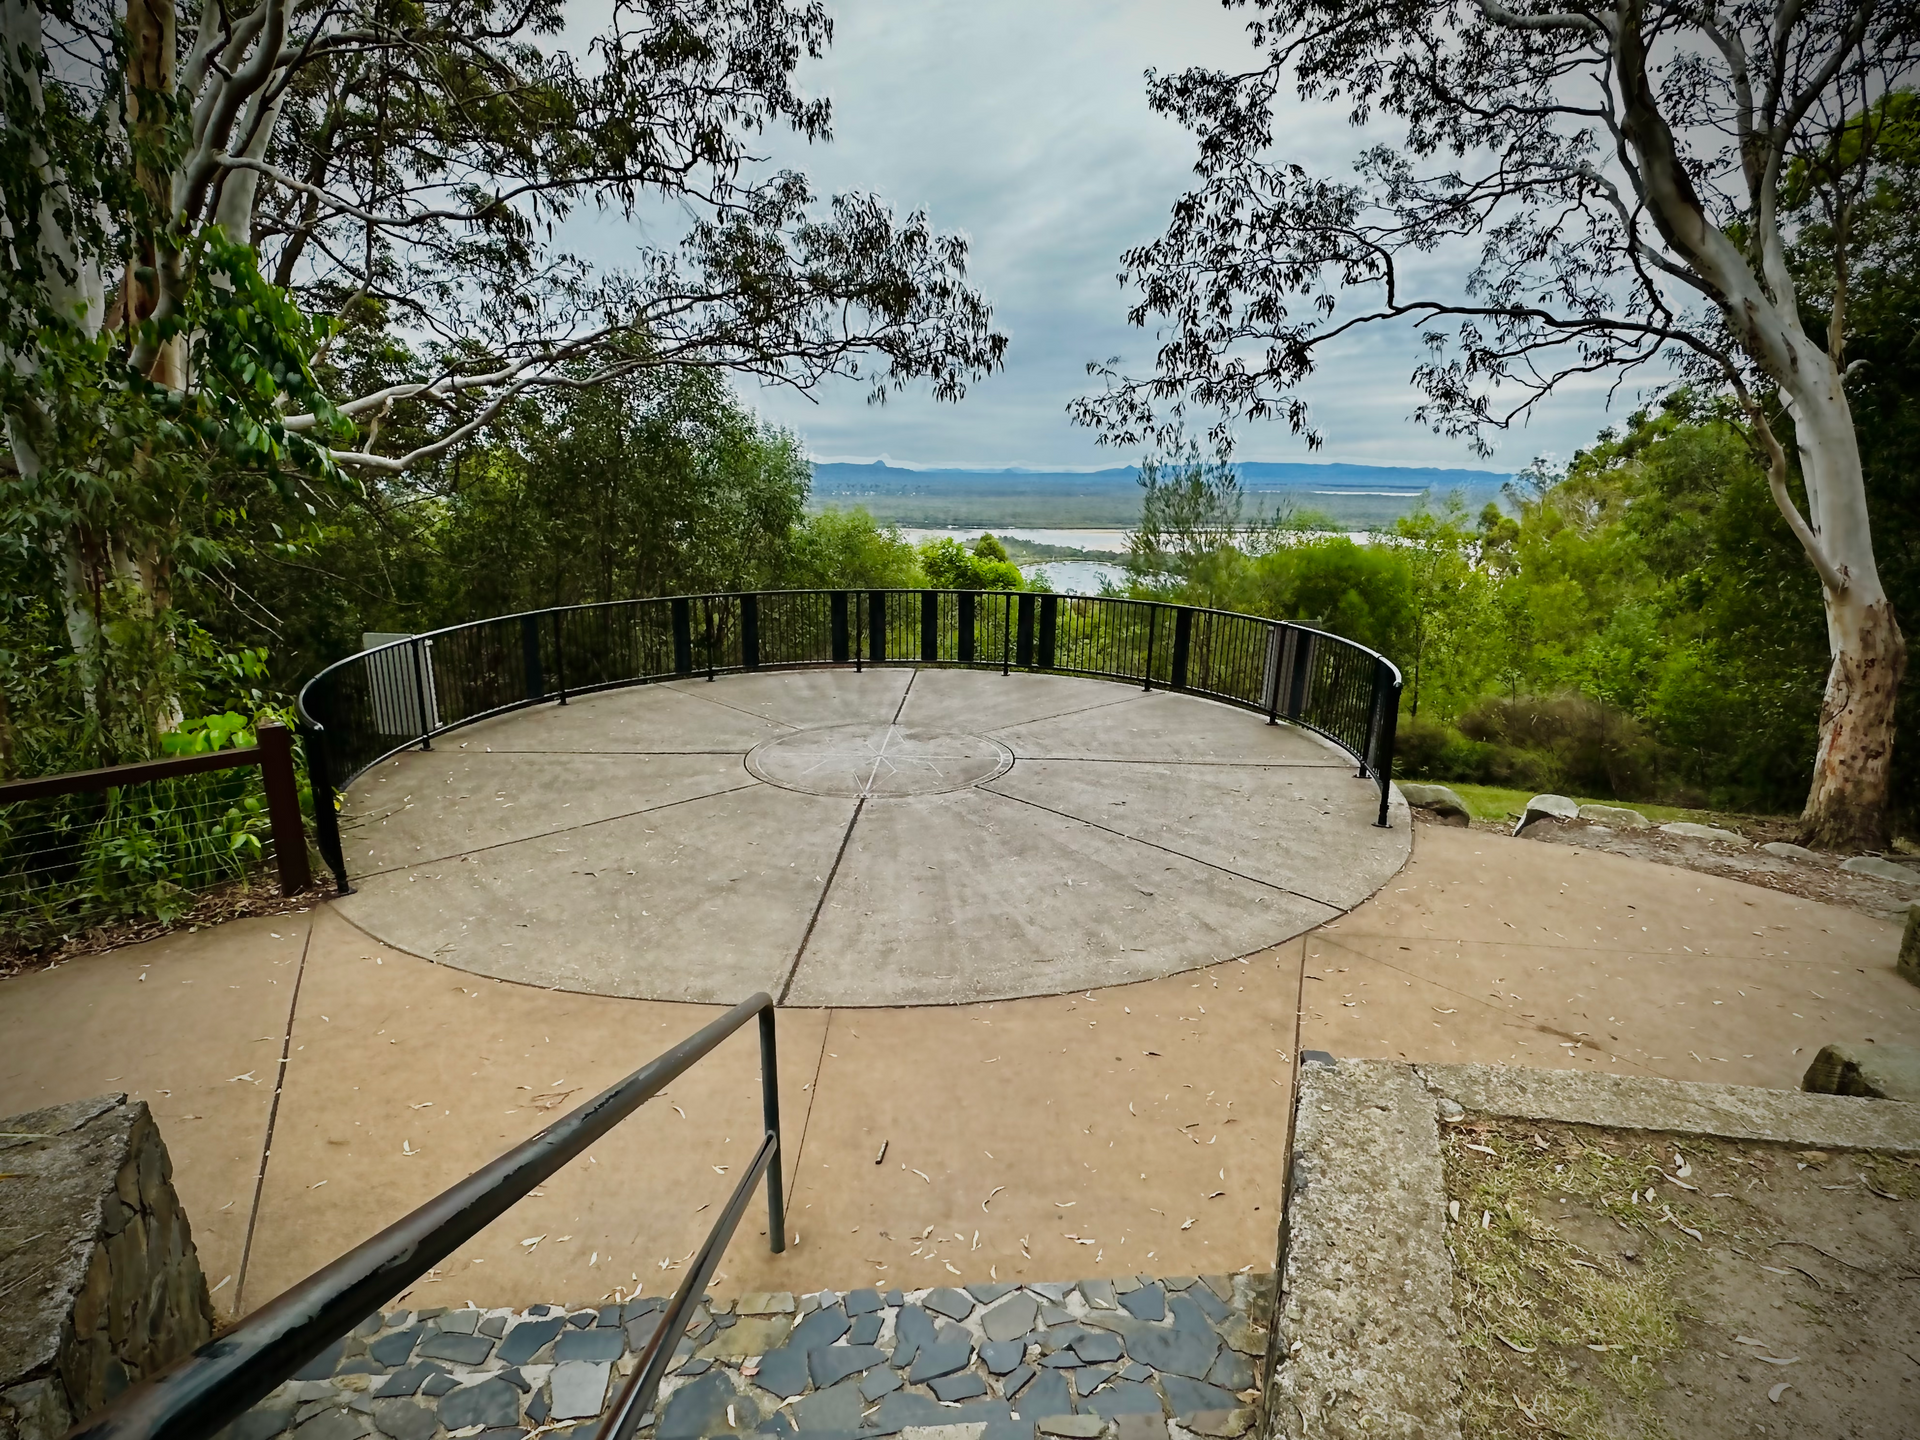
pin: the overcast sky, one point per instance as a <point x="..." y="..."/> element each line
<point x="1024" y="124"/>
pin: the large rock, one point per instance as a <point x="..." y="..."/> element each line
<point x="1879" y="1072"/>
<point x="1547" y="807"/>
<point x="100" y="1280"/>
<point x="1437" y="800"/>
<point x="1786" y="850"/>
<point x="1687" y="830"/>
<point x="1909" y="963"/>
<point x="1882" y="869"/>
<point x="1618" y="816"/>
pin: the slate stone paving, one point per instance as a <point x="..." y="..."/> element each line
<point x="1132" y="1359"/>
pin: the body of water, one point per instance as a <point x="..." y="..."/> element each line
<point x="1067" y="577"/>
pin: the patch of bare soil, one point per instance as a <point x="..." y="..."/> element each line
<point x="1617" y="1283"/>
<point x="1820" y="878"/>
<point x="260" y="896"/>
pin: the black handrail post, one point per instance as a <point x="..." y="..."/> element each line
<point x="859" y="631"/>
<point x="326" y="819"/>
<point x="750" y="631"/>
<point x="877" y="626"/>
<point x="682" y="636"/>
<point x="706" y="626"/>
<point x="929" y="626"/>
<point x="1276" y="653"/>
<point x="1153" y="617"/>
<point x="966" y="626"/>
<point x="1023" y="653"/>
<point x="530" y="656"/>
<point x="770" y="1112"/>
<point x="559" y="659"/>
<point x="420" y="695"/>
<point x="1049" y="629"/>
<point x="837" y="624"/>
<point x="1182" y="640"/>
<point x="1389" y="730"/>
<point x="1006" y="634"/>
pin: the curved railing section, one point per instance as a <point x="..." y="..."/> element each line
<point x="368" y="706"/>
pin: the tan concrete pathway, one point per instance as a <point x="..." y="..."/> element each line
<point x="1075" y="1135"/>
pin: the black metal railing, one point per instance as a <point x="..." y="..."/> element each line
<point x="225" y="1377"/>
<point x="369" y="706"/>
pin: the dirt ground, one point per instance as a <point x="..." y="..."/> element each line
<point x="1817" y="879"/>
<point x="1625" y="1284"/>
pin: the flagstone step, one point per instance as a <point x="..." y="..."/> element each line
<point x="1137" y="1358"/>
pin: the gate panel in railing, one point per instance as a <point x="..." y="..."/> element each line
<point x="381" y="701"/>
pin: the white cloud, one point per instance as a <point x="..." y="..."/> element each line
<point x="1026" y="126"/>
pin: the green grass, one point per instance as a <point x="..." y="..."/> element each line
<point x="1494" y="802"/>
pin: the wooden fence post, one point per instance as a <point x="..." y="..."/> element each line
<point x="283" y="806"/>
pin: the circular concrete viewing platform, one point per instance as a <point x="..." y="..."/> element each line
<point x="893" y="837"/>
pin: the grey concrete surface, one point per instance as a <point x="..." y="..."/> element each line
<point x="891" y="837"/>
<point x="1366" y="1333"/>
<point x="1733" y="1112"/>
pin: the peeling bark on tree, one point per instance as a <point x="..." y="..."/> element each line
<point x="1847" y="806"/>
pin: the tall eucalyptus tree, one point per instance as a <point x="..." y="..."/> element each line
<point x="315" y="238"/>
<point x="1612" y="172"/>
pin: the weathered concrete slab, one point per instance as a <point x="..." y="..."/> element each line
<point x="1293" y="827"/>
<point x="976" y="896"/>
<point x="694" y="840"/>
<point x="425" y="807"/>
<point x="1733" y="1112"/>
<point x="705" y="901"/>
<point x="1159" y="725"/>
<point x="1366" y="1330"/>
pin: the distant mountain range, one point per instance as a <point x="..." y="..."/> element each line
<point x="1346" y="495"/>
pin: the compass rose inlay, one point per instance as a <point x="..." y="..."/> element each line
<point x="878" y="760"/>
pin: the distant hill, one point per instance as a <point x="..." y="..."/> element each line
<point x="1349" y="496"/>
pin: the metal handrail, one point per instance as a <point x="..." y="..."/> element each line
<point x="221" y="1380"/>
<point x="372" y="705"/>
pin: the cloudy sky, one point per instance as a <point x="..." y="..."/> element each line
<point x="1024" y="124"/>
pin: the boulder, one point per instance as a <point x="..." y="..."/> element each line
<point x="1788" y="852"/>
<point x="1909" y="963"/>
<point x="1547" y="807"/>
<point x="101" y="1281"/>
<point x="1687" y="830"/>
<point x="1437" y="800"/>
<point x="1618" y="816"/>
<point x="1879" y="1072"/>
<point x="1881" y="869"/>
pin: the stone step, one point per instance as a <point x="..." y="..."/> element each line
<point x="1136" y="1358"/>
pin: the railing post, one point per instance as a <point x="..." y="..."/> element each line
<point x="929" y="626"/>
<point x="877" y="626"/>
<point x="750" y="631"/>
<point x="530" y="656"/>
<point x="1389" y="730"/>
<point x="1006" y="634"/>
<point x="967" y="598"/>
<point x="559" y="659"/>
<point x="420" y="693"/>
<point x="1300" y="680"/>
<point x="283" y="806"/>
<point x="770" y="1110"/>
<point x="1182" y="639"/>
<point x="837" y="616"/>
<point x="1270" y="680"/>
<point x="1023" y="657"/>
<point x="326" y="818"/>
<point x="1153" y="623"/>
<point x="682" y="637"/>
<point x="1049" y="628"/>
